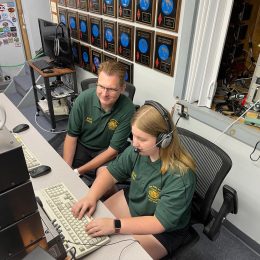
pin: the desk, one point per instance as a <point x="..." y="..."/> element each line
<point x="61" y="172"/>
<point x="57" y="72"/>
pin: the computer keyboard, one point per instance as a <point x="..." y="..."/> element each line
<point x="42" y="64"/>
<point x="57" y="201"/>
<point x="31" y="160"/>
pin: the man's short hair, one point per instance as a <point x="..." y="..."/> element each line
<point x="113" y="68"/>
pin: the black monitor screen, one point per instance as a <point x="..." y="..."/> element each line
<point x="56" y="42"/>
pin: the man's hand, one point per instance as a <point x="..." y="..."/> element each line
<point x="100" y="227"/>
<point x="84" y="206"/>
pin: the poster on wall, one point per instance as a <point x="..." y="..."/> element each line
<point x="85" y="58"/>
<point x="129" y="68"/>
<point x="82" y="4"/>
<point x="125" y="41"/>
<point x="62" y="12"/>
<point x="145" y="12"/>
<point x="126" y="9"/>
<point x="168" y="12"/>
<point x="94" y="6"/>
<point x="144" y="41"/>
<point x="73" y="24"/>
<point x="96" y="33"/>
<point x="8" y="25"/>
<point x="83" y="28"/>
<point x="109" y="33"/>
<point x="109" y="8"/>
<point x="96" y="59"/>
<point x="164" y="55"/>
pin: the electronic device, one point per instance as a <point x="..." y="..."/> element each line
<point x="163" y="139"/>
<point x="20" y="128"/>
<point x="47" y="71"/>
<point x="57" y="201"/>
<point x="2" y="117"/>
<point x="31" y="160"/>
<point x="56" y="43"/>
<point x="40" y="171"/>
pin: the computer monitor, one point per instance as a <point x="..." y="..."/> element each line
<point x="56" y="42"/>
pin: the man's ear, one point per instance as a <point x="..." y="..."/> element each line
<point x="123" y="88"/>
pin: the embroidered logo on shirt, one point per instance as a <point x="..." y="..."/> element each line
<point x="153" y="194"/>
<point x="133" y="176"/>
<point x="112" y="124"/>
<point x="88" y="120"/>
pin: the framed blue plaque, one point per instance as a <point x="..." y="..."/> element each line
<point x="109" y="7"/>
<point x="164" y="55"/>
<point x="63" y="15"/>
<point x="96" y="33"/>
<point x="75" y="52"/>
<point x="94" y="6"/>
<point x="85" y="57"/>
<point x="125" y="40"/>
<point x="73" y="24"/>
<point x="168" y="12"/>
<point x="107" y="57"/>
<point x="145" y="12"/>
<point x="129" y="70"/>
<point x="82" y="4"/>
<point x="83" y="28"/>
<point x="96" y="59"/>
<point x="109" y="35"/>
<point x="72" y="3"/>
<point x="144" y="42"/>
<point x="126" y="9"/>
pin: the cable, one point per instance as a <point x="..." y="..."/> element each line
<point x="127" y="247"/>
<point x="235" y="121"/>
<point x="52" y="132"/>
<point x="252" y="159"/>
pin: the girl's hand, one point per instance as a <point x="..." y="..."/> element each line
<point x="84" y="206"/>
<point x="100" y="227"/>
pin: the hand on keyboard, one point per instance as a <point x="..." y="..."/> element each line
<point x="84" y="206"/>
<point x="100" y="227"/>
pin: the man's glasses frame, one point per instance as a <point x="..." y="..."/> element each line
<point x="109" y="90"/>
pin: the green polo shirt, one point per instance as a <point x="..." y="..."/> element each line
<point x="97" y="129"/>
<point x="167" y="196"/>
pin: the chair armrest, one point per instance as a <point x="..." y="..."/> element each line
<point x="229" y="205"/>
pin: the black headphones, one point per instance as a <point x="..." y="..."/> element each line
<point x="163" y="139"/>
<point x="57" y="46"/>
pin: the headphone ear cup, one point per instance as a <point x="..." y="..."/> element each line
<point x="164" y="140"/>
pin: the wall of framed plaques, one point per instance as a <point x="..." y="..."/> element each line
<point x="131" y="31"/>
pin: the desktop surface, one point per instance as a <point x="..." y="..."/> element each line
<point x="61" y="172"/>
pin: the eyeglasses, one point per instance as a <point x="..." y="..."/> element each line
<point x="109" y="90"/>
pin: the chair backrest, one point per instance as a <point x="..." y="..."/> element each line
<point x="92" y="82"/>
<point x="212" y="166"/>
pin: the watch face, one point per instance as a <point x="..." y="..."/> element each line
<point x="117" y="224"/>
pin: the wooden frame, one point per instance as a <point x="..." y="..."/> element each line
<point x="82" y="5"/>
<point x="95" y="31"/>
<point x="96" y="59"/>
<point x="73" y="24"/>
<point x="145" y="12"/>
<point x="129" y="67"/>
<point x="144" y="44"/>
<point x="125" y="40"/>
<point x="168" y="13"/>
<point x="110" y="36"/>
<point x="94" y="6"/>
<point x="72" y="3"/>
<point x="85" y="57"/>
<point x="109" y="8"/>
<point x="107" y="57"/>
<point x="126" y="9"/>
<point x="164" y="55"/>
<point x="83" y="27"/>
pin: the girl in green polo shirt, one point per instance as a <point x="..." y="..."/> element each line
<point x="156" y="208"/>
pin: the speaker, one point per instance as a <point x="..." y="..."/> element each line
<point x="163" y="139"/>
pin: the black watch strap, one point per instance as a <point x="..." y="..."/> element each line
<point x="117" y="224"/>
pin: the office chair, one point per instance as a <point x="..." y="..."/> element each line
<point x="212" y="166"/>
<point x="92" y="82"/>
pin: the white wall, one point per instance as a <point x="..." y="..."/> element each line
<point x="244" y="177"/>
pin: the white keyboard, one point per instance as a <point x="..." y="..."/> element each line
<point x="57" y="201"/>
<point x="31" y="160"/>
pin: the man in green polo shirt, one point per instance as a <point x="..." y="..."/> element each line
<point x="99" y="122"/>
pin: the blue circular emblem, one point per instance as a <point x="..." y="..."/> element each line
<point x="125" y="3"/>
<point x="109" y="35"/>
<point x="126" y="76"/>
<point x="96" y="61"/>
<point x="143" y="45"/>
<point x="95" y="30"/>
<point x="167" y="6"/>
<point x="85" y="57"/>
<point x="109" y="2"/>
<point x="75" y="52"/>
<point x="163" y="52"/>
<point x="124" y="38"/>
<point x="63" y="19"/>
<point x="144" y="4"/>
<point x="72" y="23"/>
<point x="83" y="26"/>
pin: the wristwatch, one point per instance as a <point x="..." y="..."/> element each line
<point x="117" y="223"/>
